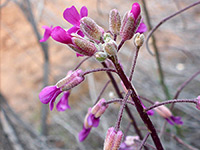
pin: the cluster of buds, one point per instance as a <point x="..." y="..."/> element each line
<point x="50" y="93"/>
<point x="167" y="114"/>
<point x="92" y="118"/>
<point x="113" y="139"/>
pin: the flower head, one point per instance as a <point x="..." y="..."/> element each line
<point x="50" y="93"/>
<point x="132" y="23"/>
<point x="113" y="139"/>
<point x="92" y="119"/>
<point x="167" y="114"/>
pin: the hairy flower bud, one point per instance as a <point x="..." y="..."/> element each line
<point x="138" y="39"/>
<point x="83" y="46"/>
<point x="114" y="21"/>
<point x="70" y="81"/>
<point x="111" y="48"/>
<point x="101" y="56"/>
<point x="163" y="111"/>
<point x="113" y="139"/>
<point x="91" y="29"/>
<point x="130" y="22"/>
<point x="99" y="108"/>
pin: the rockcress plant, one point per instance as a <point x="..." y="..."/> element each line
<point x="87" y="38"/>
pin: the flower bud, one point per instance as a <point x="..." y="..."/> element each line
<point x="71" y="80"/>
<point x="100" y="56"/>
<point x="163" y="111"/>
<point x="129" y="141"/>
<point x="99" y="108"/>
<point x="111" y="48"/>
<point x="114" y="21"/>
<point x="138" y="39"/>
<point x="113" y="139"/>
<point x="130" y="22"/>
<point x="91" y="29"/>
<point x="198" y="103"/>
<point x="86" y="125"/>
<point x="83" y="46"/>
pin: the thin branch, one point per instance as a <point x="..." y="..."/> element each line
<point x="120" y="45"/>
<point x="102" y="91"/>
<point x="134" y="63"/>
<point x="144" y="140"/>
<point x="81" y="63"/>
<point x="172" y="101"/>
<point x="99" y="70"/>
<point x="166" y="19"/>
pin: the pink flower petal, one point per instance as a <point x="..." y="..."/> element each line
<point x="62" y="105"/>
<point x="142" y="28"/>
<point x="72" y="16"/>
<point x="60" y="35"/>
<point x="84" y="12"/>
<point x="135" y="10"/>
<point x="47" y="33"/>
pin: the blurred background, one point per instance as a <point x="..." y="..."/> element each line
<point x="27" y="66"/>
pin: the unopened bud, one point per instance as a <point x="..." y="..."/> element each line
<point x="91" y="29"/>
<point x="99" y="108"/>
<point x="114" y="21"/>
<point x="86" y="125"/>
<point x="111" y="48"/>
<point x="100" y="56"/>
<point x="83" y="46"/>
<point x="113" y="139"/>
<point x="198" y="103"/>
<point x="163" y="111"/>
<point x="71" y="80"/>
<point x="138" y="39"/>
<point x="127" y="28"/>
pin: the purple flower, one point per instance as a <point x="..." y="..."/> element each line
<point x="167" y="114"/>
<point x="72" y="16"/>
<point x="132" y="23"/>
<point x="62" y="105"/>
<point x="92" y="119"/>
<point x="50" y="93"/>
<point x="66" y="37"/>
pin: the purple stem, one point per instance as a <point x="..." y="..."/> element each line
<point x="119" y="101"/>
<point x="120" y="45"/>
<point x="117" y="126"/>
<point x="134" y="63"/>
<point x="138" y="105"/>
<point x="144" y="140"/>
<point x="98" y="70"/>
<point x="185" y="83"/>
<point x="81" y="62"/>
<point x="115" y="37"/>
<point x="172" y="101"/>
<point x="166" y="19"/>
<point x="105" y="86"/>
<point x="138" y="132"/>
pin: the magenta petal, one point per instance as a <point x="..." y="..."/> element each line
<point x="62" y="105"/>
<point x="96" y="122"/>
<point x="169" y="121"/>
<point x="79" y="55"/>
<point x="142" y="28"/>
<point x="177" y="120"/>
<point x="90" y="119"/>
<point x="51" y="104"/>
<point x="72" y="16"/>
<point x="47" y="94"/>
<point x="83" y="134"/>
<point x="135" y="10"/>
<point x="84" y="12"/>
<point x="60" y="35"/>
<point x="47" y="33"/>
<point x="150" y="112"/>
<point x="73" y="29"/>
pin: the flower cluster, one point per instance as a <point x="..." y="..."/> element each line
<point x="50" y="93"/>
